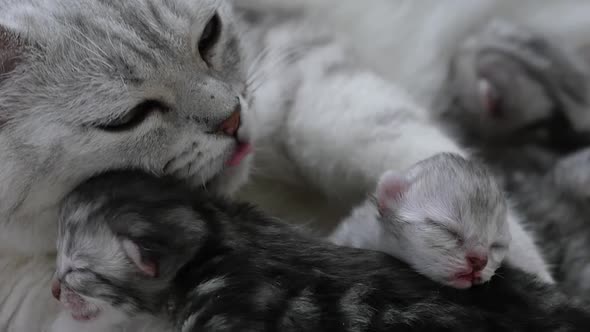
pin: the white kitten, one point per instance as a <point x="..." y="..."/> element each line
<point x="446" y="217"/>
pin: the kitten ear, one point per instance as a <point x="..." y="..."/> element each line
<point x="133" y="251"/>
<point x="11" y="50"/>
<point x="390" y="190"/>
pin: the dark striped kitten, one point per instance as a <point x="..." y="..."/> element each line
<point x="132" y="244"/>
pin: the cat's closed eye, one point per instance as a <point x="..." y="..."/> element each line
<point x="209" y="37"/>
<point x="134" y="116"/>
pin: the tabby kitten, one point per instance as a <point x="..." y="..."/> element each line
<point x="203" y="263"/>
<point x="446" y="216"/>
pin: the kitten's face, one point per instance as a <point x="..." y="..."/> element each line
<point x="450" y="221"/>
<point x="150" y="85"/>
<point x="122" y="238"/>
<point x="94" y="279"/>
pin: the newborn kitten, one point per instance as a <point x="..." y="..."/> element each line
<point x="131" y="244"/>
<point x="519" y="87"/>
<point x="446" y="217"/>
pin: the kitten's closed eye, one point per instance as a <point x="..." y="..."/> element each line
<point x="210" y="37"/>
<point x="134" y="117"/>
<point x="453" y="233"/>
<point x="499" y="246"/>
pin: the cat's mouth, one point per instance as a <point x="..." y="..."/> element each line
<point x="242" y="150"/>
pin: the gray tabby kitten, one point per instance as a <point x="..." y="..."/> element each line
<point x="205" y="264"/>
<point x="446" y="216"/>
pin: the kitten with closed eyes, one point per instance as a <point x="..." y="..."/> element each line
<point x="202" y="263"/>
<point x="446" y="216"/>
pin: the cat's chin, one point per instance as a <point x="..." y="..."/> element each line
<point x="232" y="178"/>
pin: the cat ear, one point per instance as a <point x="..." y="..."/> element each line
<point x="150" y="268"/>
<point x="390" y="190"/>
<point x="11" y="50"/>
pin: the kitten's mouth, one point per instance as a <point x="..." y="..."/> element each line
<point x="85" y="315"/>
<point x="464" y="280"/>
<point x="79" y="308"/>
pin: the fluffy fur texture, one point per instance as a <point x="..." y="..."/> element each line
<point x="327" y="128"/>
<point x="446" y="217"/>
<point x="218" y="266"/>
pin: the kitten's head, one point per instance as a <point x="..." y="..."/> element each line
<point x="91" y="86"/>
<point x="492" y="95"/>
<point x="122" y="239"/>
<point x="448" y="217"/>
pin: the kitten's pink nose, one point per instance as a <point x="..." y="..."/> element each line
<point x="231" y="125"/>
<point x="477" y="262"/>
<point x="56" y="289"/>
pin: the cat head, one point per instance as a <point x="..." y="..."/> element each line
<point x="448" y="217"/>
<point x="123" y="237"/>
<point x="91" y="86"/>
<point x="493" y="96"/>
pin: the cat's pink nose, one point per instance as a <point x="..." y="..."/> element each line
<point x="56" y="289"/>
<point x="477" y="262"/>
<point x="231" y="125"/>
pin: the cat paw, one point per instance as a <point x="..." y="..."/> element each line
<point x="507" y="78"/>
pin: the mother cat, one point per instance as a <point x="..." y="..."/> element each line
<point x="88" y="85"/>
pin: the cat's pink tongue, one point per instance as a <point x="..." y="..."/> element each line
<point x="241" y="152"/>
